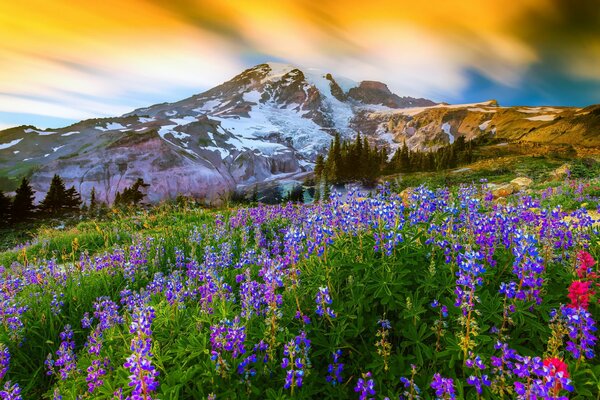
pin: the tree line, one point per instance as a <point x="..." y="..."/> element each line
<point x="357" y="161"/>
<point x="60" y="200"/>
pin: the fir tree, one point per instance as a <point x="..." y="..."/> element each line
<point x="319" y="167"/>
<point x="72" y="199"/>
<point x="117" y="201"/>
<point x="93" y="200"/>
<point x="55" y="199"/>
<point x="5" y="205"/>
<point x="23" y="206"/>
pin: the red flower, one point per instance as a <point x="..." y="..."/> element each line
<point x="585" y="262"/>
<point x="579" y="294"/>
<point x="556" y="365"/>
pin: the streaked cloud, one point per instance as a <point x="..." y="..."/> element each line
<point x="74" y="60"/>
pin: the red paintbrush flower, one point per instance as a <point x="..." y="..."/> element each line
<point x="585" y="262"/>
<point x="556" y="365"/>
<point x="579" y="294"/>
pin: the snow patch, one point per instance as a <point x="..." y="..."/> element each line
<point x="544" y="117"/>
<point x="69" y="133"/>
<point x="185" y="120"/>
<point x="9" y="144"/>
<point x="41" y="133"/>
<point x="446" y="128"/>
<point x="536" y="110"/>
<point x="223" y="152"/>
<point x="16" y="152"/>
<point x="111" y="126"/>
<point x="145" y="120"/>
<point x="55" y="149"/>
<point x="484" y="125"/>
<point x="208" y="106"/>
<point x="479" y="109"/>
<point x="252" y="96"/>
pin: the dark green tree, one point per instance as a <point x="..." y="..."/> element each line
<point x="5" y="205"/>
<point x="55" y="199"/>
<point x="72" y="199"/>
<point x="93" y="200"/>
<point x="23" y="207"/>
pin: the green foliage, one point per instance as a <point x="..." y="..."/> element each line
<point x="22" y="207"/>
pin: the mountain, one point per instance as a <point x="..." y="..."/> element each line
<point x="267" y="123"/>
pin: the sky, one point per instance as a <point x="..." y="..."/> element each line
<point x="63" y="60"/>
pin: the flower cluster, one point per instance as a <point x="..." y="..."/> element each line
<point x="323" y="300"/>
<point x="295" y="360"/>
<point x="365" y="387"/>
<point x="334" y="370"/>
<point x="228" y="337"/>
<point x="443" y="387"/>
<point x="143" y="378"/>
<point x="4" y="360"/>
<point x="65" y="361"/>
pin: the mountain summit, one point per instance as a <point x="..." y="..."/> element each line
<point x="267" y="123"/>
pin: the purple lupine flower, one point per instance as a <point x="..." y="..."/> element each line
<point x="56" y="304"/>
<point x="444" y="387"/>
<point x="365" y="387"/>
<point x="228" y="337"/>
<point x="95" y="372"/>
<point x="106" y="312"/>
<point x="11" y="391"/>
<point x="86" y="321"/>
<point x="143" y="378"/>
<point x="412" y="391"/>
<point x="295" y="360"/>
<point x="323" y="300"/>
<point x="580" y="329"/>
<point x="334" y="370"/>
<point x="4" y="360"/>
<point x="65" y="354"/>
<point x="94" y="341"/>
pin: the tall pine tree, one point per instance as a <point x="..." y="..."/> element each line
<point x="54" y="201"/>
<point x="93" y="200"/>
<point x="72" y="199"/>
<point x="5" y="205"/>
<point x="23" y="207"/>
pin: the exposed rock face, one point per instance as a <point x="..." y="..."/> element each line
<point x="267" y="123"/>
<point x="373" y="92"/>
<point x="560" y="173"/>
<point x="521" y="183"/>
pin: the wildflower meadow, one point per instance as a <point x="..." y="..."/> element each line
<point x="440" y="294"/>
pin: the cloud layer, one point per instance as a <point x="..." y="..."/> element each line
<point x="64" y="60"/>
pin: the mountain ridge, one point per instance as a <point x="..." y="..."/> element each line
<point x="267" y="123"/>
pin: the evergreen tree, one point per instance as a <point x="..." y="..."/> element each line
<point x="117" y="201"/>
<point x="93" y="200"/>
<point x="319" y="167"/>
<point x="326" y="191"/>
<point x="23" y="206"/>
<point x="404" y="161"/>
<point x="5" y="205"/>
<point x="297" y="194"/>
<point x="132" y="195"/>
<point x="56" y="198"/>
<point x="72" y="199"/>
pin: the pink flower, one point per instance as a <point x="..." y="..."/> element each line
<point x="579" y="294"/>
<point x="585" y="262"/>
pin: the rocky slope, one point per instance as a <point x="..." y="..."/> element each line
<point x="267" y="123"/>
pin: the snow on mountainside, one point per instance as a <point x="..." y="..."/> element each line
<point x="268" y="122"/>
